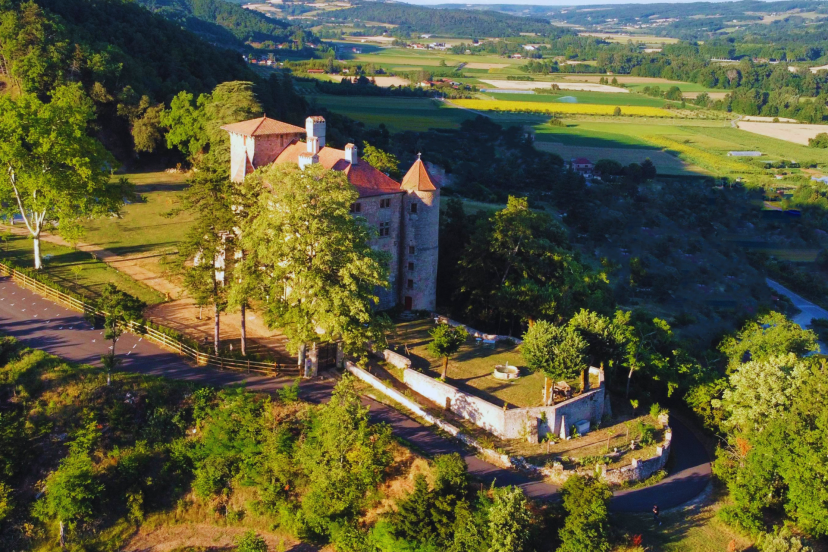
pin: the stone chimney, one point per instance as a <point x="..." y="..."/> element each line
<point x="313" y="145"/>
<point x="351" y="154"/>
<point x="315" y="128"/>
<point x="307" y="158"/>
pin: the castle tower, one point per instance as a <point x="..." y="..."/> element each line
<point x="258" y="142"/>
<point x="419" y="240"/>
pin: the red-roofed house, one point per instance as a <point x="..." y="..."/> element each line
<point x="582" y="164"/>
<point x="406" y="215"/>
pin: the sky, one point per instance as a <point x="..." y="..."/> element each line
<point x="550" y="2"/>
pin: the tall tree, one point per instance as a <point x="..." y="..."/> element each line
<point x="53" y="171"/>
<point x="558" y="351"/>
<point x="208" y="253"/>
<point x="318" y="274"/>
<point x="121" y="308"/>
<point x="586" y="528"/>
<point x="446" y="341"/>
<point x="769" y="335"/>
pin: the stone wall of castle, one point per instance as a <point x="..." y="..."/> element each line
<point x="383" y="214"/>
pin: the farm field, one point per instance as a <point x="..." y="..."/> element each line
<point x="564" y="108"/>
<point x="398" y="114"/>
<point x="624" y="38"/>
<point x="635" y="83"/>
<point x="533" y="84"/>
<point x="796" y="133"/>
<point x="665" y="163"/>
<point x="701" y="145"/>
<point x="582" y="97"/>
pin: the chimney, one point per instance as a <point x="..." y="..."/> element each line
<point x="351" y="155"/>
<point x="315" y="128"/>
<point x="313" y="145"/>
<point x="307" y="158"/>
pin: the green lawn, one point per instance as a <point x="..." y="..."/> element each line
<point x="398" y="114"/>
<point x="471" y="368"/>
<point x="59" y="262"/>
<point x="698" y="530"/>
<point x="143" y="229"/>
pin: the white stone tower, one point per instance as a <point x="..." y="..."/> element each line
<point x="419" y="240"/>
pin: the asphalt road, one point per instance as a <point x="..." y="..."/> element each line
<point x="42" y="324"/>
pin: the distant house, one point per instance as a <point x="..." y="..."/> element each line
<point x="529" y="48"/>
<point x="582" y="164"/>
<point x="516" y="56"/>
<point x="744" y="154"/>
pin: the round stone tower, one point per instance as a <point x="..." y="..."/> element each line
<point x="419" y="240"/>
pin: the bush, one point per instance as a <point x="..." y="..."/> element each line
<point x="782" y="540"/>
<point x="646" y="434"/>
<point x="251" y="542"/>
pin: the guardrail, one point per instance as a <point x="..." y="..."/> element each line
<point x="151" y="334"/>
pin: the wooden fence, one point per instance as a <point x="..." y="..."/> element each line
<point x="151" y="334"/>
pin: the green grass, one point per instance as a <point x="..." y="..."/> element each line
<point x="599" y="98"/>
<point x="59" y="262"/>
<point x="471" y="368"/>
<point x="682" y="531"/>
<point x="398" y="114"/>
<point x="143" y="229"/>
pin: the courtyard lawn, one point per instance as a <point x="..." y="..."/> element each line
<point x="76" y="270"/>
<point x="588" y="449"/>
<point x="470" y="370"/>
<point x="397" y="114"/>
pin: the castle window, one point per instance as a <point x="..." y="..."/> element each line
<point x="385" y="203"/>
<point x="411" y="266"/>
<point x="411" y="249"/>
<point x="410" y="284"/>
<point x="384" y="229"/>
<point x="356" y="207"/>
<point x="414" y="208"/>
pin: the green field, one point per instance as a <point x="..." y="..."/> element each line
<point x="143" y="230"/>
<point x="599" y="98"/>
<point x="76" y="270"/>
<point x="397" y="114"/>
<point x="706" y="143"/>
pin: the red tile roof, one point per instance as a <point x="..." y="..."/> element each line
<point x="262" y="126"/>
<point x="582" y="161"/>
<point x="417" y="178"/>
<point x="367" y="180"/>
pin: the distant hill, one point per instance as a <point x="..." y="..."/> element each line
<point x="445" y="22"/>
<point x="222" y="21"/>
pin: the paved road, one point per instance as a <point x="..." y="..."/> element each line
<point x="44" y="325"/>
<point x="808" y="310"/>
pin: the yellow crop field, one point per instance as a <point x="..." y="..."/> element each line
<point x="564" y="108"/>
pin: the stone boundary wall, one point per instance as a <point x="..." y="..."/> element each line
<point x="639" y="470"/>
<point x="515" y="423"/>
<point x="396" y="359"/>
<point x="472" y="332"/>
<point x="492" y="456"/>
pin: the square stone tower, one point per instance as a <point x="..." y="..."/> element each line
<point x="258" y="142"/>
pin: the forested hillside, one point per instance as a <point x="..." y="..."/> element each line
<point x="128" y="60"/>
<point x="446" y="22"/>
<point x="244" y="25"/>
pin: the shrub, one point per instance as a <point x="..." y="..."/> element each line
<point x="646" y="434"/>
<point x="251" y="542"/>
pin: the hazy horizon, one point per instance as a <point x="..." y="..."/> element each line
<point x="554" y="3"/>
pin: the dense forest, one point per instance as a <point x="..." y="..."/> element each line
<point x="128" y="60"/>
<point x="244" y="25"/>
<point x="446" y="22"/>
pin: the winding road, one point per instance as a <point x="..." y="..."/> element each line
<point x="41" y="324"/>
